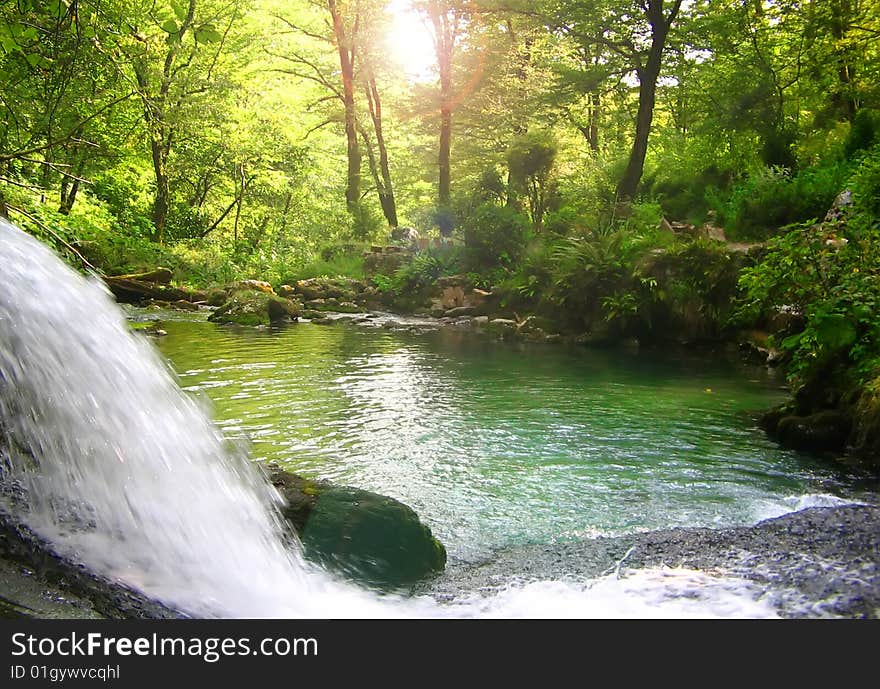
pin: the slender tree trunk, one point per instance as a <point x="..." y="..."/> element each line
<point x="843" y="98"/>
<point x="445" y="171"/>
<point x="386" y="189"/>
<point x="347" y="58"/>
<point x="239" y="174"/>
<point x="282" y="230"/>
<point x="162" y="197"/>
<point x="69" y="189"/>
<point x="626" y="188"/>
<point x="593" y="120"/>
<point x="154" y="98"/>
<point x="648" y="75"/>
<point x="445" y="181"/>
<point x="445" y="22"/>
<point x="68" y="198"/>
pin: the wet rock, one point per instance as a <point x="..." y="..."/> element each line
<point x="448" y="297"/>
<point x="256" y="308"/>
<point x="216" y="297"/>
<point x="824" y="431"/>
<point x="182" y="305"/>
<point x="252" y="285"/>
<point x="460" y="311"/>
<point x="105" y="597"/>
<point x="348" y="307"/>
<point x="372" y="538"/>
<point x="342" y="288"/>
<point x="503" y="327"/>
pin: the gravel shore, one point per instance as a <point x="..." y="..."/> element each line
<point x="818" y="562"/>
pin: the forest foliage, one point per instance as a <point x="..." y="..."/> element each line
<point x="548" y="143"/>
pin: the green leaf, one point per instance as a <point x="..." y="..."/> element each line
<point x="29" y="34"/>
<point x="170" y="26"/>
<point x="180" y="10"/>
<point x="835" y="331"/>
<point x="792" y="341"/>
<point x="57" y="8"/>
<point x="8" y="44"/>
<point x="37" y="60"/>
<point x="208" y="34"/>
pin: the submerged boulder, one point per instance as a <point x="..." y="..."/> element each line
<point x="372" y="538"/>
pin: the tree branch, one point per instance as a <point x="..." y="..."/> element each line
<point x="57" y="238"/>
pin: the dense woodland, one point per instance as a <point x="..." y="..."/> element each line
<point x="580" y="158"/>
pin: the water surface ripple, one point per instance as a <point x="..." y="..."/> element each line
<point x="496" y="444"/>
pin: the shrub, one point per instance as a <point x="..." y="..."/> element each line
<point x="494" y="236"/>
<point x="773" y="198"/>
<point x="864" y="132"/>
<point x="365" y="223"/>
<point x="835" y="284"/>
<point x="590" y="277"/>
<point x="530" y="160"/>
<point x="424" y="269"/>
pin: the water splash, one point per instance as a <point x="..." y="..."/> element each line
<point x="124" y="472"/>
<point x="121" y="469"/>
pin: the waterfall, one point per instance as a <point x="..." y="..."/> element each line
<point x="122" y="471"/>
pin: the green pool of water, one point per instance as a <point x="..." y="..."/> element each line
<point x="496" y="444"/>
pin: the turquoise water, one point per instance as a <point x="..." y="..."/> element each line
<point x="497" y="444"/>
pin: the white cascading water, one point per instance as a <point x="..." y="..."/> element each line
<point x="127" y="474"/>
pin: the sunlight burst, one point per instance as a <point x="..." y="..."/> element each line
<point x="410" y="41"/>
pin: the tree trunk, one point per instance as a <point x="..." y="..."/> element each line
<point x="69" y="198"/>
<point x="69" y="190"/>
<point x="386" y="197"/>
<point x="347" y="65"/>
<point x="238" y="202"/>
<point x="445" y="182"/>
<point x="445" y="22"/>
<point x="648" y="74"/>
<point x="161" y="199"/>
<point x="593" y="120"/>
<point x="161" y="131"/>
<point x="842" y="98"/>
<point x="626" y="188"/>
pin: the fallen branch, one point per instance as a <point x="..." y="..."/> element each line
<point x="57" y="238"/>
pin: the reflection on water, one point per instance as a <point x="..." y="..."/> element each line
<point x="495" y="444"/>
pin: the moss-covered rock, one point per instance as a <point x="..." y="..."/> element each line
<point x="503" y="327"/>
<point x="342" y="288"/>
<point x="217" y="297"/>
<point x="371" y="538"/>
<point x="825" y="431"/>
<point x="245" y="307"/>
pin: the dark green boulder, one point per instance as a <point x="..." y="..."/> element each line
<point x="824" y="431"/>
<point x="369" y="537"/>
